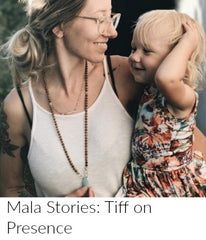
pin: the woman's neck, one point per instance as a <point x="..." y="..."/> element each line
<point x="66" y="72"/>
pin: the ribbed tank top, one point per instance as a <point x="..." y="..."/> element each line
<point x="110" y="128"/>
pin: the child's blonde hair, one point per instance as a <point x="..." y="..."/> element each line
<point x="196" y="65"/>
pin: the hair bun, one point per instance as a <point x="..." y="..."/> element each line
<point x="32" y="5"/>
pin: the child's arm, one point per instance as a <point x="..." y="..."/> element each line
<point x="172" y="70"/>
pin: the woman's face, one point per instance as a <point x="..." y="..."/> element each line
<point x="82" y="37"/>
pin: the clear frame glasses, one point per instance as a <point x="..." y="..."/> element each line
<point x="104" y="22"/>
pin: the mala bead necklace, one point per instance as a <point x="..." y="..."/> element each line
<point x="84" y="176"/>
<point x="76" y="105"/>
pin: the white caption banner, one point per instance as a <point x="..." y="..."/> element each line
<point x="102" y="218"/>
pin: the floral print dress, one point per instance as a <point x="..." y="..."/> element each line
<point x="163" y="163"/>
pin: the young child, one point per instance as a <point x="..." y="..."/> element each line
<point x="168" y="52"/>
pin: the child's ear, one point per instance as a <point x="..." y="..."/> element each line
<point x="58" y="31"/>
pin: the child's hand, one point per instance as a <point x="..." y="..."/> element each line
<point x="191" y="37"/>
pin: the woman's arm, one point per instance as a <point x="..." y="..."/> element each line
<point x="12" y="141"/>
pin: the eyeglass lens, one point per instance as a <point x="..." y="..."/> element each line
<point x="107" y="21"/>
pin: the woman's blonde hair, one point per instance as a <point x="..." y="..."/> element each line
<point x="196" y="65"/>
<point x="27" y="50"/>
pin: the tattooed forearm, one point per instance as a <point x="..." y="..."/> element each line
<point x="5" y="143"/>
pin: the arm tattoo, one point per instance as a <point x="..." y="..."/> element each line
<point x="25" y="194"/>
<point x="5" y="142"/>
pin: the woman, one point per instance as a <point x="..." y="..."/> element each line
<point x="79" y="137"/>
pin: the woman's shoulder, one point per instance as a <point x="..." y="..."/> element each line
<point x="123" y="77"/>
<point x="12" y="106"/>
<point x="120" y="63"/>
<point x="12" y="102"/>
<point x="121" y="71"/>
<point x="128" y="90"/>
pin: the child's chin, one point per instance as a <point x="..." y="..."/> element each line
<point x="138" y="80"/>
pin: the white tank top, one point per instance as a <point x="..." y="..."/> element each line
<point x="110" y="129"/>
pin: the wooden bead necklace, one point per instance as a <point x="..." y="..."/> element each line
<point x="84" y="176"/>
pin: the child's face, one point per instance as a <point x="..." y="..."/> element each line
<point x="145" y="59"/>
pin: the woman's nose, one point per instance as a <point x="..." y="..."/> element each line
<point x="110" y="32"/>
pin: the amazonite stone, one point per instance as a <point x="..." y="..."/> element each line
<point x="85" y="182"/>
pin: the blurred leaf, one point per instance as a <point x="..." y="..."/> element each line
<point x="12" y="18"/>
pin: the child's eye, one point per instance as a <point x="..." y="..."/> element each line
<point x="133" y="49"/>
<point x="146" y="51"/>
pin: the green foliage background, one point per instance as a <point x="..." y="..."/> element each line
<point x="12" y="18"/>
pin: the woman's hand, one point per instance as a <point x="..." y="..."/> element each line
<point x="82" y="192"/>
